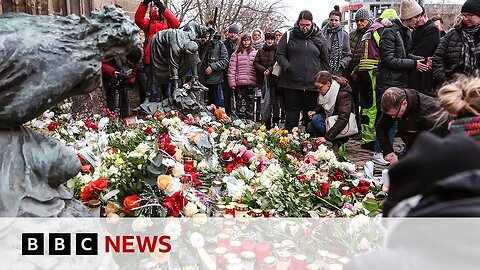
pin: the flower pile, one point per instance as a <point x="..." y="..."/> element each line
<point x="166" y="165"/>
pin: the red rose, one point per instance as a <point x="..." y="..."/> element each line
<point x="99" y="184"/>
<point x="170" y="149"/>
<point x="363" y="183"/>
<point x="148" y="130"/>
<point x="324" y="188"/>
<point x="52" y="126"/>
<point x="87" y="194"/>
<point x="175" y="203"/>
<point x="347" y="193"/>
<point x="229" y="167"/>
<point x="226" y="155"/>
<point x="131" y="201"/>
<point x="364" y="190"/>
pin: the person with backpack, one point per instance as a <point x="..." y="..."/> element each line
<point x="301" y="53"/>
<point x="160" y="19"/>
<point x="369" y="54"/>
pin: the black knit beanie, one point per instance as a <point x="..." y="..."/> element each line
<point x="471" y="6"/>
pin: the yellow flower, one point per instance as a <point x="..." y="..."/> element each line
<point x="119" y="162"/>
<point x="261" y="134"/>
<point x="263" y="128"/>
<point x="163" y="181"/>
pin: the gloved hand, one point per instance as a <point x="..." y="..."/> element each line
<point x="146" y="2"/>
<point x="159" y="4"/>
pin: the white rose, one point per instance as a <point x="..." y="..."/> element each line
<point x="202" y="165"/>
<point x="140" y="224"/>
<point x="173" y="229"/>
<point x="190" y="209"/>
<point x="168" y="162"/>
<point x="197" y="240"/>
<point x="174" y="186"/>
<point x="178" y="170"/>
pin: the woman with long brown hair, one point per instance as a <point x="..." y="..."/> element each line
<point x="335" y="99"/>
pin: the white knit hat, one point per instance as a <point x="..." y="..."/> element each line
<point x="409" y="9"/>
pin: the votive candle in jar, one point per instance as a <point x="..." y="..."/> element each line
<point x="236" y="247"/>
<point x="283" y="259"/>
<point x="223" y="240"/>
<point x="219" y="259"/>
<point x="230" y="210"/>
<point x="248" y="259"/>
<point x="241" y="210"/>
<point x="299" y="262"/>
<point x="269" y="263"/>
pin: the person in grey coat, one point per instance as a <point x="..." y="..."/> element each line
<point x="210" y="72"/>
<point x="338" y="43"/>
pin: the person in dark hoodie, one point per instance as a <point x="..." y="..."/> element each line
<point x="434" y="193"/>
<point x="264" y="61"/>
<point x="335" y="99"/>
<point x="231" y="42"/>
<point x="425" y="40"/>
<point x="301" y="58"/>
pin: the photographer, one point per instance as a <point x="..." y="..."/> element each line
<point x="118" y="77"/>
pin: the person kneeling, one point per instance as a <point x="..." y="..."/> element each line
<point x="335" y="99"/>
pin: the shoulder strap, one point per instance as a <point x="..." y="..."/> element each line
<point x="288" y="36"/>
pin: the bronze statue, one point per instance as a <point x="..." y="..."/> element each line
<point x="43" y="61"/>
<point x="174" y="52"/>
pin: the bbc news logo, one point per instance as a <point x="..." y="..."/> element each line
<point x="59" y="244"/>
<point x="87" y="244"/>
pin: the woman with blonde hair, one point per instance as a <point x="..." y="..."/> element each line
<point x="460" y="101"/>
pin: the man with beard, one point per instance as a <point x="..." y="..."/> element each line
<point x="459" y="49"/>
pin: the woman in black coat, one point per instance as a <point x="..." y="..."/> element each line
<point x="301" y="58"/>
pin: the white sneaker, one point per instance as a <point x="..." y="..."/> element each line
<point x="378" y="159"/>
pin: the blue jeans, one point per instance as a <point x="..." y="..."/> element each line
<point x="391" y="137"/>
<point x="155" y="89"/>
<point x="316" y="127"/>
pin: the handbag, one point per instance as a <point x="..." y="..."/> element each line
<point x="277" y="69"/>
<point x="350" y="129"/>
<point x="265" y="102"/>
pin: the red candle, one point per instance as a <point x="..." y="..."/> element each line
<point x="249" y="245"/>
<point x="262" y="250"/>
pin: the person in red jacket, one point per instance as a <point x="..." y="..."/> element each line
<point x="160" y="19"/>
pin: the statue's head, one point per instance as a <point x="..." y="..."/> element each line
<point x="117" y="32"/>
<point x="196" y="29"/>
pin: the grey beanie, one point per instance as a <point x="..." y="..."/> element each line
<point x="362" y="14"/>
<point x="233" y="28"/>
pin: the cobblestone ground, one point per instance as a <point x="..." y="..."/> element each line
<point x="359" y="156"/>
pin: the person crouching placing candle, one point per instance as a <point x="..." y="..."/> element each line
<point x="335" y="99"/>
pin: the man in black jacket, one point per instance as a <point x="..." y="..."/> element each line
<point x="425" y="40"/>
<point x="396" y="62"/>
<point x="212" y="67"/>
<point x="230" y="44"/>
<point x="413" y="111"/>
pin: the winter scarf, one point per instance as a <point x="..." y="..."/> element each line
<point x="330" y="98"/>
<point x="470" y="52"/>
<point x="469" y="125"/>
<point x="336" y="47"/>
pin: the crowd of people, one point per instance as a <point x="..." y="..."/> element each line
<point x="385" y="74"/>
